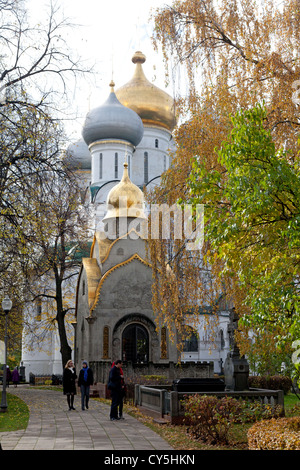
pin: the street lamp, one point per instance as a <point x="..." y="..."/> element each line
<point x="6" y="306"/>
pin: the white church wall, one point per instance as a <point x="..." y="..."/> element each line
<point x="40" y="340"/>
<point x="46" y="362"/>
<point x="156" y="143"/>
<point x="107" y="160"/>
<point x="212" y="341"/>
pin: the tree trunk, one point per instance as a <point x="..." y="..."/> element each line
<point x="65" y="349"/>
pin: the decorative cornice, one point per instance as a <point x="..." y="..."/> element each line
<point x="112" y="141"/>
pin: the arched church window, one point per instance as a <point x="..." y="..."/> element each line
<point x="190" y="343"/>
<point x="120" y="251"/>
<point x="163" y="343"/>
<point x="135" y="344"/>
<point x="222" y="339"/>
<point x="105" y="342"/>
<point x="156" y="143"/>
<point x="101" y="166"/>
<point x="116" y="165"/>
<point x="38" y="310"/>
<point x="146" y="177"/>
<point x="83" y="287"/>
<point x="165" y="162"/>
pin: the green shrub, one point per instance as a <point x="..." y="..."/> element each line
<point x="256" y="411"/>
<point x="210" y="418"/>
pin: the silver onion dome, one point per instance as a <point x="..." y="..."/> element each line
<point x="112" y="120"/>
<point x="78" y="155"/>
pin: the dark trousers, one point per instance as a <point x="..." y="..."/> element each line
<point x="121" y="405"/>
<point x="116" y="398"/>
<point x="85" y="395"/>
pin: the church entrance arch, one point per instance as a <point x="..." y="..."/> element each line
<point x="135" y="344"/>
<point x="135" y="339"/>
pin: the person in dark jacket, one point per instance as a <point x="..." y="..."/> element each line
<point x="15" y="377"/>
<point x="85" y="380"/>
<point x="69" y="386"/>
<point x="123" y="392"/>
<point x="115" y="387"/>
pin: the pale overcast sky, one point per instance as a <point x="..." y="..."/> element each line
<point x="109" y="34"/>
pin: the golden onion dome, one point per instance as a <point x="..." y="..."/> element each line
<point x="125" y="199"/>
<point x="153" y="105"/>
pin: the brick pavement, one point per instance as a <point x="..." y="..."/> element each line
<point x="53" y="427"/>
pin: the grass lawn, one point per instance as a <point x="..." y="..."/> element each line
<point x="290" y="400"/>
<point x="17" y="414"/>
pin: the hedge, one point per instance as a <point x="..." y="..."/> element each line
<point x="275" y="434"/>
<point x="273" y="382"/>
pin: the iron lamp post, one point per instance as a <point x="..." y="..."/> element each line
<point x="6" y="306"/>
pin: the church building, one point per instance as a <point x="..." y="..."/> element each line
<point x="126" y="147"/>
<point x="114" y="315"/>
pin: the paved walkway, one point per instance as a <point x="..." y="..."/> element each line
<point x="53" y="427"/>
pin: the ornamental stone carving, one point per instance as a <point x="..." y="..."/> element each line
<point x="130" y="295"/>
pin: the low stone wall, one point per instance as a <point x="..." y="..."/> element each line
<point x="169" y="404"/>
<point x="169" y="370"/>
<point x="45" y="379"/>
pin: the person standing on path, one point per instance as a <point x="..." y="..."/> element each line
<point x="15" y="377"/>
<point x="123" y="392"/>
<point x="85" y="380"/>
<point x="115" y="387"/>
<point x="69" y="387"/>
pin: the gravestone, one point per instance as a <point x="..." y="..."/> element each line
<point x="236" y="367"/>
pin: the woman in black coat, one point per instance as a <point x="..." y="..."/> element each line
<point x="69" y="386"/>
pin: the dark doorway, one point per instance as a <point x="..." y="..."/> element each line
<point x="135" y="344"/>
